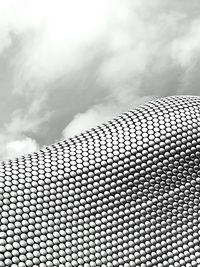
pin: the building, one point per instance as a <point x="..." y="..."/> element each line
<point x="124" y="194"/>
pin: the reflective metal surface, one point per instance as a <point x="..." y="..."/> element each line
<point x="124" y="194"/>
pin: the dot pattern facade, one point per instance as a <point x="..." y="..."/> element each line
<point x="124" y="194"/>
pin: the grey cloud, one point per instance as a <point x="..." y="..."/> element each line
<point x="74" y="64"/>
<point x="148" y="55"/>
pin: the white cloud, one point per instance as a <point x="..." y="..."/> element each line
<point x="14" y="147"/>
<point x="20" y="147"/>
<point x="87" y="120"/>
<point x="59" y="43"/>
<point x="99" y="114"/>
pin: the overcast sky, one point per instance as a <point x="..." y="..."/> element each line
<point x="66" y="66"/>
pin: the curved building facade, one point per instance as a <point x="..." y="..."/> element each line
<point x="124" y="194"/>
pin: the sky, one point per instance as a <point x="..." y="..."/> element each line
<point x="67" y="66"/>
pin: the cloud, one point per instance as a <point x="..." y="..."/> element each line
<point x="102" y="57"/>
<point x="187" y="47"/>
<point x="97" y="115"/>
<point x="146" y="49"/>
<point x="20" y="147"/>
<point x="89" y="119"/>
